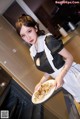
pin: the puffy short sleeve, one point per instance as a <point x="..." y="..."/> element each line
<point x="53" y="44"/>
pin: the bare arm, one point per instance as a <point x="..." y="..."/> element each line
<point x="43" y="79"/>
<point x="68" y="62"/>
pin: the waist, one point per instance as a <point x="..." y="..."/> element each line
<point x="55" y="74"/>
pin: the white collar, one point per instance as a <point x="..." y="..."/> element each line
<point x="40" y="43"/>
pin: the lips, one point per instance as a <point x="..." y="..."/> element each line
<point x="31" y="41"/>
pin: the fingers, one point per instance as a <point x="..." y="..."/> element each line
<point x="37" y="87"/>
<point x="59" y="84"/>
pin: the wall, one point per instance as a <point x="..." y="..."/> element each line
<point x="19" y="7"/>
<point x="34" y="5"/>
<point x="4" y="4"/>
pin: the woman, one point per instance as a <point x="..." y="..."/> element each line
<point x="50" y="56"/>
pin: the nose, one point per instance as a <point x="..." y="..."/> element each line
<point x="28" y="37"/>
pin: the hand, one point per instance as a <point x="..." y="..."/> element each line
<point x="37" y="86"/>
<point x="43" y="79"/>
<point x="59" y="82"/>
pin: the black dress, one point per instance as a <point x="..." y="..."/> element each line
<point x="54" y="46"/>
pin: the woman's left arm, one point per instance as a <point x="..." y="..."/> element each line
<point x="68" y="62"/>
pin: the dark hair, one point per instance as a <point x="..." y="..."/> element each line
<point x="27" y="20"/>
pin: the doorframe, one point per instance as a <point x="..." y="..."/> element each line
<point x="26" y="8"/>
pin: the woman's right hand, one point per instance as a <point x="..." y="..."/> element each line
<point x="43" y="79"/>
<point x="59" y="82"/>
<point x="37" y="86"/>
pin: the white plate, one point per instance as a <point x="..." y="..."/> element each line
<point x="46" y="96"/>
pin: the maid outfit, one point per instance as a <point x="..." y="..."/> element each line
<point x="52" y="63"/>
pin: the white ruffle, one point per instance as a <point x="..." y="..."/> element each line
<point x="40" y="43"/>
<point x="49" y="57"/>
<point x="32" y="51"/>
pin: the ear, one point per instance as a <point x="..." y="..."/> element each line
<point x="36" y="28"/>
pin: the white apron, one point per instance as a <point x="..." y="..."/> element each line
<point x="71" y="80"/>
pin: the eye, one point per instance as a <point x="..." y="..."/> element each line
<point x="29" y="31"/>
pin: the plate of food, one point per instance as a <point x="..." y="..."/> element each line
<point x="44" y="92"/>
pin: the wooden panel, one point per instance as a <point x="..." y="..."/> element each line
<point x="57" y="106"/>
<point x="74" y="47"/>
<point x="77" y="106"/>
<point x="49" y="115"/>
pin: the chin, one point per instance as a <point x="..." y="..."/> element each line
<point x="33" y="42"/>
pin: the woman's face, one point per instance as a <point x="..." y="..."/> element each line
<point x="29" y="34"/>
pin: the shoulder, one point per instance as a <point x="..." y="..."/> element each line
<point x="53" y="43"/>
<point x="49" y="38"/>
